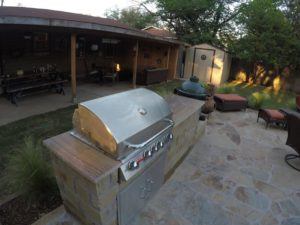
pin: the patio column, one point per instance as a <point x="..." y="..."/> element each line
<point x="168" y="57"/>
<point x="135" y="62"/>
<point x="176" y="61"/>
<point x="73" y="68"/>
<point x="1" y="55"/>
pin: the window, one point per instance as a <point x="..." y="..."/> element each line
<point x="40" y="42"/>
<point x="109" y="47"/>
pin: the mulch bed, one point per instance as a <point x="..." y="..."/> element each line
<point x="19" y="212"/>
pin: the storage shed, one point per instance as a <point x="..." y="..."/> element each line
<point x="210" y="64"/>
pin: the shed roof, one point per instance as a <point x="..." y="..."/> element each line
<point x="213" y="46"/>
<point x="46" y="17"/>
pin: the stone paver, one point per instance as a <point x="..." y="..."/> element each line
<point x="234" y="175"/>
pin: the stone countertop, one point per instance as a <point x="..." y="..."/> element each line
<point x="183" y="107"/>
<point x="94" y="164"/>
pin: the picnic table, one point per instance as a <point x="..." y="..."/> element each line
<point x="32" y="83"/>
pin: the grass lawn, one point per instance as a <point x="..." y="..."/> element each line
<point x="47" y="125"/>
<point x="38" y="127"/>
<point x="165" y="89"/>
<point x="260" y="96"/>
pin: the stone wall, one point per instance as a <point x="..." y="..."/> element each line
<point x="186" y="134"/>
<point x="91" y="203"/>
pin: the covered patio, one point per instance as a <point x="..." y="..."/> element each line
<point x="37" y="43"/>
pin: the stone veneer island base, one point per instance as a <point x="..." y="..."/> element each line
<point x="88" y="180"/>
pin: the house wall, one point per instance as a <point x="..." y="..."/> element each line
<point x="219" y="64"/>
<point x="152" y="55"/>
<point x="18" y="53"/>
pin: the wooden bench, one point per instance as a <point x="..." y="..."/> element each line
<point x="17" y="87"/>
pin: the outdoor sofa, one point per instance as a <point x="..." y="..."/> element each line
<point x="230" y="102"/>
<point x="298" y="103"/>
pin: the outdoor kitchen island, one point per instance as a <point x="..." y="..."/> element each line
<point x="90" y="181"/>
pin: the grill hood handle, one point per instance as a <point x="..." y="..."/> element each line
<point x="143" y="144"/>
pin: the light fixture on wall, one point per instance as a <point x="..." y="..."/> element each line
<point x="27" y="37"/>
<point x="117" y="67"/>
<point x="94" y="47"/>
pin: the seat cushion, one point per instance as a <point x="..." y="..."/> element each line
<point x="231" y="97"/>
<point x="274" y="114"/>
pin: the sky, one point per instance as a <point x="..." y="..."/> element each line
<point x="89" y="7"/>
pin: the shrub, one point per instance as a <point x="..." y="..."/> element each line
<point x="256" y="99"/>
<point x="28" y="172"/>
<point x="291" y="103"/>
<point x="226" y="89"/>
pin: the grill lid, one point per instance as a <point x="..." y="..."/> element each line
<point x="113" y="119"/>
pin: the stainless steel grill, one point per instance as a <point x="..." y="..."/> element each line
<point x="134" y="127"/>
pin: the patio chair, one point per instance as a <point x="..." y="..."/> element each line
<point x="272" y="116"/>
<point x="298" y="103"/>
<point x="293" y="139"/>
<point x="110" y="76"/>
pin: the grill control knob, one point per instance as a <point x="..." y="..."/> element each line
<point x="147" y="154"/>
<point x="154" y="148"/>
<point x="161" y="144"/>
<point x="170" y="136"/>
<point x="132" y="165"/>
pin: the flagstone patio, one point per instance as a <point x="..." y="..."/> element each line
<point x="235" y="175"/>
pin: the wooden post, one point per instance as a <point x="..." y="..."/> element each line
<point x="176" y="61"/>
<point x="168" y="57"/>
<point x="1" y="55"/>
<point x="73" y="68"/>
<point x="135" y="62"/>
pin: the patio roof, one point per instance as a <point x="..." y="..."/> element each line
<point x="52" y="18"/>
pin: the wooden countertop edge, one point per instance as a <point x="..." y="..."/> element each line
<point x="95" y="178"/>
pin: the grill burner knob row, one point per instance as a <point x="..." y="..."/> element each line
<point x="132" y="165"/>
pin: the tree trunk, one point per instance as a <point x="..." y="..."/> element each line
<point x="254" y="73"/>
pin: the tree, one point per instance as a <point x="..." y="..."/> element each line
<point x="199" y="21"/>
<point x="266" y="38"/>
<point x="133" y="16"/>
<point x="291" y="8"/>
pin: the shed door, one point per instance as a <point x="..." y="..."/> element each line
<point x="203" y="63"/>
